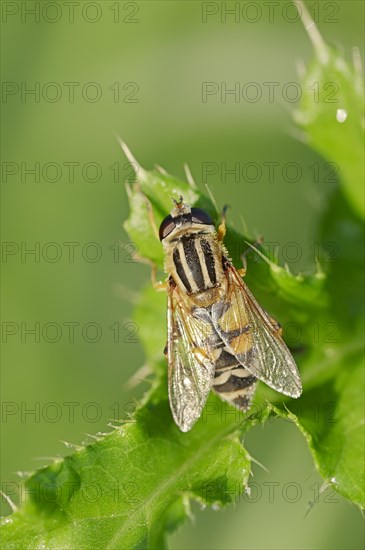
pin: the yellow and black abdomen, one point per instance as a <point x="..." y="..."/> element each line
<point x="232" y="382"/>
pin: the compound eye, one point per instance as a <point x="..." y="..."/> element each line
<point x="199" y="216"/>
<point x="167" y="225"/>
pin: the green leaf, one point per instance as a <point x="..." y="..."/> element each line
<point x="125" y="489"/>
<point x="128" y="489"/>
<point x="334" y="426"/>
<point x="304" y="299"/>
<point x="151" y="306"/>
<point x="331" y="112"/>
<point x="131" y="487"/>
<point x="345" y="271"/>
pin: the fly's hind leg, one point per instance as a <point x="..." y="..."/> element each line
<point x="157" y="285"/>
<point x="243" y="269"/>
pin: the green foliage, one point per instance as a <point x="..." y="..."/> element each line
<point x="129" y="488"/>
<point x="334" y="427"/>
<point x="331" y="114"/>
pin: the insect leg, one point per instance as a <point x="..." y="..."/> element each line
<point x="151" y="219"/>
<point x="222" y="226"/>
<point x="243" y="270"/>
<point x="157" y="285"/>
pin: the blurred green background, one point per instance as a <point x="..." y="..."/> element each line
<point x="136" y="69"/>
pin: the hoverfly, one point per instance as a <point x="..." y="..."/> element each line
<point x="219" y="337"/>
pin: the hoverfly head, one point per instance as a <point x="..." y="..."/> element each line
<point x="183" y="216"/>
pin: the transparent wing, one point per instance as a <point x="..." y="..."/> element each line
<point x="191" y="363"/>
<point x="252" y="337"/>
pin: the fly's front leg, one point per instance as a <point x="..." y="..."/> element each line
<point x="222" y="230"/>
<point x="157" y="285"/>
<point x="151" y="218"/>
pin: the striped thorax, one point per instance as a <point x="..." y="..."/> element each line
<point x="193" y="255"/>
